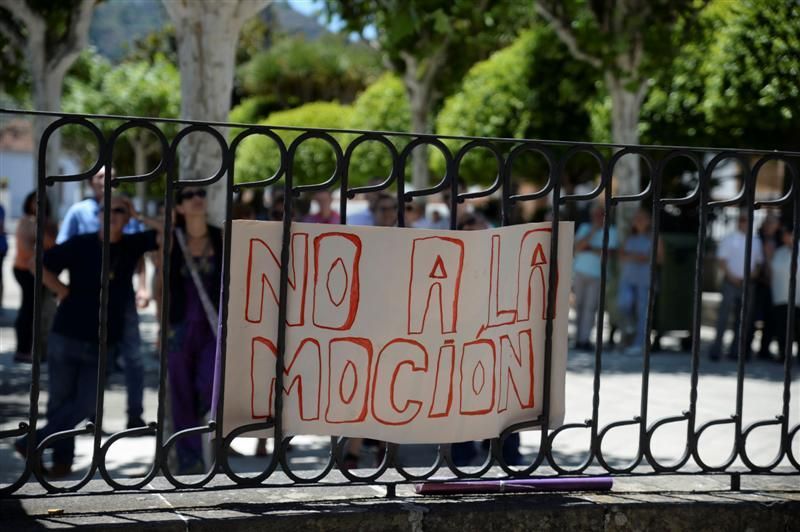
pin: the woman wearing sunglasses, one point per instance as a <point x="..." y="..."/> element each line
<point x="73" y="343"/>
<point x="194" y="287"/>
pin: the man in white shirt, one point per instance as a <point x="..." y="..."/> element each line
<point x="731" y="258"/>
<point x="781" y="267"/>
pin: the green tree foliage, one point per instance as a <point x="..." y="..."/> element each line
<point x="673" y="112"/>
<point x="531" y="89"/>
<point x="138" y="88"/>
<point x="49" y="36"/>
<point x="753" y="87"/>
<point x="383" y="106"/>
<point x="735" y="83"/>
<point x="460" y="31"/>
<point x="254" y="109"/>
<point x="627" y="41"/>
<point x="258" y="158"/>
<point x="431" y="44"/>
<point x="14" y="77"/>
<point x="158" y="42"/>
<point x="294" y="71"/>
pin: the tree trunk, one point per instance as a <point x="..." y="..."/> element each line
<point x="207" y="32"/>
<point x="139" y="168"/>
<point x="419" y="78"/>
<point x="625" y="109"/>
<point x="47" y="89"/>
<point x="420" y="103"/>
<point x="47" y="67"/>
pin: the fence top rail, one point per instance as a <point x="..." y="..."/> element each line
<point x="659" y="147"/>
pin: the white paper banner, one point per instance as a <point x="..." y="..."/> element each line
<point x="402" y="335"/>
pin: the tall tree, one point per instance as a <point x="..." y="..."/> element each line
<point x="141" y="88"/>
<point x="628" y="41"/>
<point x="530" y="89"/>
<point x="207" y="33"/>
<point x="51" y="35"/>
<point x="431" y="44"/>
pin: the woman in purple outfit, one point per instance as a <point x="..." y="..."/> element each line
<point x="195" y="275"/>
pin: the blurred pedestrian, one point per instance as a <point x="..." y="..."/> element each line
<point x="770" y="236"/>
<point x="415" y="215"/>
<point x="586" y="267"/>
<point x="276" y="205"/>
<point x="24" y="270"/>
<point x="462" y="209"/>
<point x="366" y="216"/>
<point x="731" y="259"/>
<point x="194" y="284"/>
<point x="73" y="345"/>
<point x="82" y="218"/>
<point x="780" y="269"/>
<point x="384" y="213"/>
<point x="634" y="281"/>
<point x="324" y="214"/>
<point x="473" y="222"/>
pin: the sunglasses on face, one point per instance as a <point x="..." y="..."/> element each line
<point x="189" y="194"/>
<point x="122" y="211"/>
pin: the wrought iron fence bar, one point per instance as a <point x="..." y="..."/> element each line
<point x="286" y="242"/>
<point x="552" y="280"/>
<point x="703" y="190"/>
<point x="653" y="261"/>
<point x="791" y="316"/>
<point x="102" y="366"/>
<point x="743" y="347"/>
<point x="221" y="445"/>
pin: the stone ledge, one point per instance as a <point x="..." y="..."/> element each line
<point x="671" y="503"/>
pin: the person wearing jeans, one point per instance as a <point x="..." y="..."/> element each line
<point x="73" y="348"/>
<point x="634" y="281"/>
<point x="23" y="265"/>
<point x="133" y="370"/>
<point x="72" y="388"/>
<point x="731" y="258"/>
<point x="81" y="218"/>
<point x="195" y="276"/>
<point x="586" y="265"/>
<point x="781" y="273"/>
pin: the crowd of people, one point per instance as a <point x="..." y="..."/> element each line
<point x="767" y="306"/>
<point x="73" y="342"/>
<point x="767" y="301"/>
<point x="71" y="318"/>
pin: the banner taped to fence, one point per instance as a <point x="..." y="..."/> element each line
<point x="403" y="335"/>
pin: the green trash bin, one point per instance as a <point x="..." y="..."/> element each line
<point x="675" y="296"/>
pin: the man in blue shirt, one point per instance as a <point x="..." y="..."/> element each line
<point x="73" y="348"/>
<point x="82" y="218"/>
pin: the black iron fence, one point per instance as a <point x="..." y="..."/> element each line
<point x="675" y="179"/>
